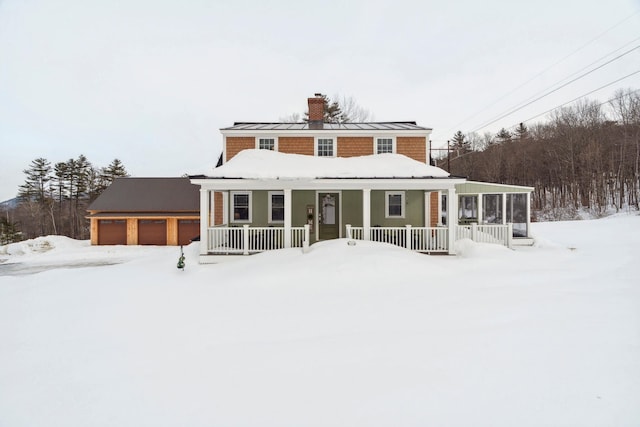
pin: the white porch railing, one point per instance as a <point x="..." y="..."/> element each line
<point x="224" y="240"/>
<point x="501" y="234"/>
<point x="421" y="239"/>
<point x="434" y="239"/>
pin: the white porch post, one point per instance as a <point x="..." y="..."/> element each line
<point x="366" y="213"/>
<point x="204" y="221"/>
<point x="225" y="208"/>
<point x="528" y="213"/>
<point x="452" y="219"/>
<point x="427" y="209"/>
<point x="480" y="219"/>
<point x="504" y="208"/>
<point x="287" y="218"/>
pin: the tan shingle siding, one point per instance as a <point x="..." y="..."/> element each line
<point x="296" y="145"/>
<point x="412" y="146"/>
<point x="354" y="146"/>
<point x="236" y="144"/>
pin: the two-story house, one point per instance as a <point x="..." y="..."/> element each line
<point x="292" y="184"/>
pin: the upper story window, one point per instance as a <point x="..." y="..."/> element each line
<point x="384" y="145"/>
<point x="266" y="144"/>
<point x="324" y="147"/>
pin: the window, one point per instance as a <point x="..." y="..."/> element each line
<point x="443" y="209"/>
<point x="267" y="144"/>
<point x="325" y="147"/>
<point x="394" y="204"/>
<point x="468" y="209"/>
<point x="384" y="145"/>
<point x="241" y="206"/>
<point x="492" y="208"/>
<point x="517" y="213"/>
<point x="276" y="206"/>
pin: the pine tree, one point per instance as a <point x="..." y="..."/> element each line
<point x="35" y="195"/>
<point x="522" y="132"/>
<point x="332" y="112"/>
<point x="503" y="136"/>
<point x="36" y="186"/>
<point x="460" y="143"/>
<point x="115" y="170"/>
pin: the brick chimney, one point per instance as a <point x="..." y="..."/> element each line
<point x="316" y="111"/>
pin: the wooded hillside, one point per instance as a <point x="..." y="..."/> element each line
<point x="585" y="156"/>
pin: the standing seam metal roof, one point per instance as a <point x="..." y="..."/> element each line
<point x="327" y="126"/>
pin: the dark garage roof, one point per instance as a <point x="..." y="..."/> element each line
<point x="149" y="195"/>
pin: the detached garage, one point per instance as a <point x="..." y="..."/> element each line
<point x="146" y="211"/>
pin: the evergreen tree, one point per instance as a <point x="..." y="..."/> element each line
<point x="503" y="136"/>
<point x="332" y="112"/>
<point x="522" y="132"/>
<point x="460" y="143"/>
<point x="36" y="186"/>
<point x="35" y="195"/>
<point x="115" y="170"/>
<point x="9" y="232"/>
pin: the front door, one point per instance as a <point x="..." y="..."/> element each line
<point x="329" y="216"/>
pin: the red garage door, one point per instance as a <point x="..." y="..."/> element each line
<point x="112" y="232"/>
<point x="188" y="229"/>
<point x="152" y="232"/>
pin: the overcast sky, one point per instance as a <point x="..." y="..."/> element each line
<point x="151" y="82"/>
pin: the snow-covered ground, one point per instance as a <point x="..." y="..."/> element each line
<point x="365" y="335"/>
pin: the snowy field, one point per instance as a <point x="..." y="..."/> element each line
<point x="365" y="335"/>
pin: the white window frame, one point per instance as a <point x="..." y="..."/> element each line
<point x="334" y="145"/>
<point x="271" y="194"/>
<point x="232" y="207"/>
<point x="403" y="204"/>
<point x="393" y="143"/>
<point x="275" y="141"/>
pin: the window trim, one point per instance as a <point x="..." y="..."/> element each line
<point x="393" y="143"/>
<point x="403" y="204"/>
<point x="232" y="206"/>
<point x="270" y="203"/>
<point x="334" y="145"/>
<point x="275" y="141"/>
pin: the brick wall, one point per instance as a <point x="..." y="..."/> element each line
<point x="295" y="145"/>
<point x="354" y="146"/>
<point x="236" y="144"/>
<point x="412" y="146"/>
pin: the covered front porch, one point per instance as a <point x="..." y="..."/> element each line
<point x="245" y="216"/>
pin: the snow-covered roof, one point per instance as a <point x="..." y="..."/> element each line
<point x="266" y="164"/>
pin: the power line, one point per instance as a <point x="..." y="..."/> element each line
<point x="581" y="69"/>
<point x="586" y="94"/>
<point x="515" y="109"/>
<point x="547" y="69"/>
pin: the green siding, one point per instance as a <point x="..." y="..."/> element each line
<point x="351" y="208"/>
<point x="478" y="187"/>
<point x="300" y="199"/>
<point x="414" y="209"/>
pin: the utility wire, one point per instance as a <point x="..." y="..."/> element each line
<point x="581" y="69"/>
<point x="586" y="94"/>
<point x="554" y="90"/>
<point x="547" y="69"/>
